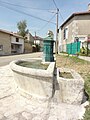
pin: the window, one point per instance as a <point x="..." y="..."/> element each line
<point x="1" y="47"/>
<point x="17" y="39"/>
<point x="18" y="46"/>
<point x="82" y="39"/>
<point x="76" y="39"/>
<point x="12" y="46"/>
<point x="66" y="33"/>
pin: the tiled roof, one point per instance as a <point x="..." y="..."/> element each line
<point x="75" y="14"/>
<point x="38" y="38"/>
<point x="10" y="33"/>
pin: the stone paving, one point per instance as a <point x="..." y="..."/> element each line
<point x="13" y="106"/>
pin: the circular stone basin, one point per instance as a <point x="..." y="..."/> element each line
<point x="33" y="64"/>
<point x="33" y="81"/>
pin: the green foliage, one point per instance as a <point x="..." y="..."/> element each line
<point x="78" y="53"/>
<point x="22" y="25"/>
<point x="38" y="48"/>
<point x="83" y="51"/>
<point x="87" y="89"/>
<point x="83" y="68"/>
<point x="87" y="114"/>
<point x="64" y="52"/>
<point x="75" y="59"/>
<point x="87" y="85"/>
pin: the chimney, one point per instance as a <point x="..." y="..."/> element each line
<point x="89" y="7"/>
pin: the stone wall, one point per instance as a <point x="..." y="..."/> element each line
<point x="43" y="84"/>
<point x="28" y="47"/>
<point x="6" y="44"/>
<point x="70" y="90"/>
<point x="34" y="82"/>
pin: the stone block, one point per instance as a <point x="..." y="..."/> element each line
<point x="34" y="82"/>
<point x="70" y="90"/>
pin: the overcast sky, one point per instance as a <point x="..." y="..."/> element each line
<point x="13" y="11"/>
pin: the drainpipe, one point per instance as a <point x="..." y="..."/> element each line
<point x="10" y="45"/>
<point x="87" y="47"/>
<point x="88" y="39"/>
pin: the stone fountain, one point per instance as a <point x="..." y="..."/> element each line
<point x="44" y="83"/>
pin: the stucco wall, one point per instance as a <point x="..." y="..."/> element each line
<point x="69" y="24"/>
<point x="36" y="83"/>
<point x="5" y="41"/>
<point x="78" y="25"/>
<point x="28" y="47"/>
<point x="83" y="24"/>
<point x="30" y="38"/>
<point x="28" y="43"/>
<point x="20" y="42"/>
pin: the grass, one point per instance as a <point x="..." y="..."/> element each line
<point x="87" y="88"/>
<point x="87" y="114"/>
<point x="87" y="85"/>
<point x="82" y="67"/>
<point x="65" y="75"/>
<point x="76" y="59"/>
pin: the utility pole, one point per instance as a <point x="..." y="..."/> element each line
<point x="35" y="37"/>
<point x="88" y="39"/>
<point x="87" y="48"/>
<point x="57" y="31"/>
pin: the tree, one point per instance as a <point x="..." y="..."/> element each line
<point x="22" y="25"/>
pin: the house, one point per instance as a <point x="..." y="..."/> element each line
<point x="10" y="43"/>
<point x="38" y="41"/>
<point x="75" y="29"/>
<point x="28" y="43"/>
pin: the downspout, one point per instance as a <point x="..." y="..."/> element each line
<point x="10" y="45"/>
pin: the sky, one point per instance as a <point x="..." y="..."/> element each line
<point x="40" y="15"/>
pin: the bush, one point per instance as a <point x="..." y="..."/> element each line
<point x="83" y="51"/>
<point x="87" y="89"/>
<point x="87" y="114"/>
<point x="38" y="48"/>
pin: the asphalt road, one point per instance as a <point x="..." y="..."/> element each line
<point x="5" y="60"/>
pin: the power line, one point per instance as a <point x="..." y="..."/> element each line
<point x="55" y="4"/>
<point x="61" y="16"/>
<point x="57" y="16"/>
<point x="58" y="9"/>
<point x="19" y="11"/>
<point x="48" y="10"/>
<point x="48" y="22"/>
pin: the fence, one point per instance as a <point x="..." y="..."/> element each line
<point x="73" y="48"/>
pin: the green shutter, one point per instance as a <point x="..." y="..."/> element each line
<point x="73" y="48"/>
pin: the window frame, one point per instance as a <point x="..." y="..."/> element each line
<point x="17" y="39"/>
<point x="1" y="47"/>
<point x="65" y="33"/>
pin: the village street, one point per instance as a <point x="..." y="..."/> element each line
<point x="14" y="106"/>
<point x="5" y="60"/>
<point x="45" y="60"/>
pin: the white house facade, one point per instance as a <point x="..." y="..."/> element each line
<point x="17" y="44"/>
<point x="10" y="43"/>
